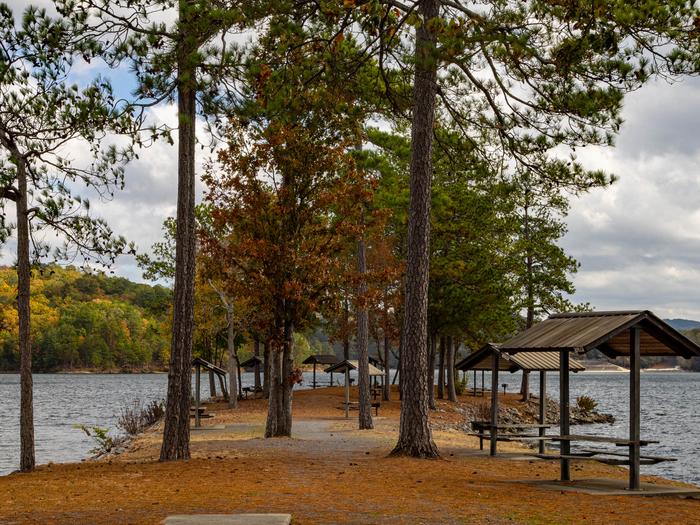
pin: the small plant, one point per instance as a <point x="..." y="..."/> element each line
<point x="586" y="404"/>
<point x="105" y="442"/>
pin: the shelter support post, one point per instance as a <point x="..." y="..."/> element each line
<point x="198" y="371"/>
<point x="475" y="382"/>
<point x="494" y="403"/>
<point x="483" y="384"/>
<point x="314" y="376"/>
<point x="543" y="407"/>
<point x="565" y="446"/>
<point x="222" y="383"/>
<point x="331" y="378"/>
<point x="347" y="393"/>
<point x="634" y="408"/>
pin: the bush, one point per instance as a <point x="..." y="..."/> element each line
<point x="460" y="386"/>
<point x="137" y="417"/>
<point x="483" y="411"/>
<point x="586" y="404"/>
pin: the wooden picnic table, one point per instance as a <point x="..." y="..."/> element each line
<point x="482" y="426"/>
<point x="620" y="442"/>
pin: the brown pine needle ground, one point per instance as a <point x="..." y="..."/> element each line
<point x="328" y="473"/>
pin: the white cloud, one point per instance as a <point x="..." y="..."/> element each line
<point x="639" y="241"/>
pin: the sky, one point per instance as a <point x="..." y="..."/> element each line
<point x="638" y="242"/>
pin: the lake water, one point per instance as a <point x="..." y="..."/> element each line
<point x="670" y="411"/>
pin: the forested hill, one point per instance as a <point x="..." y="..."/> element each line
<point x="82" y="320"/>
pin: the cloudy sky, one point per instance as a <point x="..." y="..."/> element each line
<point x="638" y="242"/>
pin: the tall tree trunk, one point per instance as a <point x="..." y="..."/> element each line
<point x="232" y="357"/>
<point x="256" y="353"/>
<point x="26" y="418"/>
<point x="415" y="437"/>
<point x="530" y="291"/>
<point x="441" y="369"/>
<point x="287" y="367"/>
<point x="431" y="371"/>
<point x="275" y="397"/>
<point x="279" y="413"/>
<point x="176" y="432"/>
<point x="346" y="339"/>
<point x="451" y="390"/>
<point x="266" y="368"/>
<point x="363" y="380"/>
<point x="386" y="394"/>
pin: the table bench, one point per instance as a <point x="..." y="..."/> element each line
<point x="601" y="455"/>
<point x="354" y="405"/>
<point x="255" y="391"/>
<point x="481" y="427"/>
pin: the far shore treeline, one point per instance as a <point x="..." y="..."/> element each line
<point x="92" y="321"/>
<point x="84" y="321"/>
<point x="87" y="321"/>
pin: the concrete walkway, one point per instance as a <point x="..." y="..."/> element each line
<point x="229" y="519"/>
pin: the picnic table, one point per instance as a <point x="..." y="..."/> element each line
<point x="511" y="431"/>
<point x="355" y="405"/>
<point x="254" y="390"/>
<point x="608" y="457"/>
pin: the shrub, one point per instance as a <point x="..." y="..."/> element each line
<point x="482" y="411"/>
<point x="586" y="403"/>
<point x="460" y="386"/>
<point x="137" y="417"/>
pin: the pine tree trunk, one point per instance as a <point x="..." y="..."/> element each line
<point x="415" y="438"/>
<point x="232" y="358"/>
<point x="363" y="380"/>
<point x="441" y="370"/>
<point x="176" y="433"/>
<point x="451" y="390"/>
<point x="346" y="339"/>
<point x="386" y="394"/>
<point x="266" y="369"/>
<point x="26" y="418"/>
<point x="431" y="372"/>
<point x="530" y="291"/>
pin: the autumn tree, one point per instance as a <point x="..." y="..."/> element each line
<point x="285" y="194"/>
<point x="43" y="113"/>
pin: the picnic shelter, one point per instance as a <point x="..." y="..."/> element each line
<point x="490" y="357"/>
<point x="630" y="334"/>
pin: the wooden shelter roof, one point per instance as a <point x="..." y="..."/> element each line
<point x="352" y="364"/>
<point x="209" y="366"/>
<point x="525" y="361"/>
<point x="321" y="359"/>
<point x="252" y="361"/>
<point x="607" y="331"/>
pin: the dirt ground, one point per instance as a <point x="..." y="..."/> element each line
<point x="328" y="472"/>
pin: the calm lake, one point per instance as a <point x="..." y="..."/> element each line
<point x="670" y="412"/>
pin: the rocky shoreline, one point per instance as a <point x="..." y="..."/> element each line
<point x="522" y="412"/>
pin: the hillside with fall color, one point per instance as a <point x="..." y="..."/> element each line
<point x="86" y="321"/>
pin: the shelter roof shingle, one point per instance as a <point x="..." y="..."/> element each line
<point x="606" y="331"/>
<point x="526" y="361"/>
